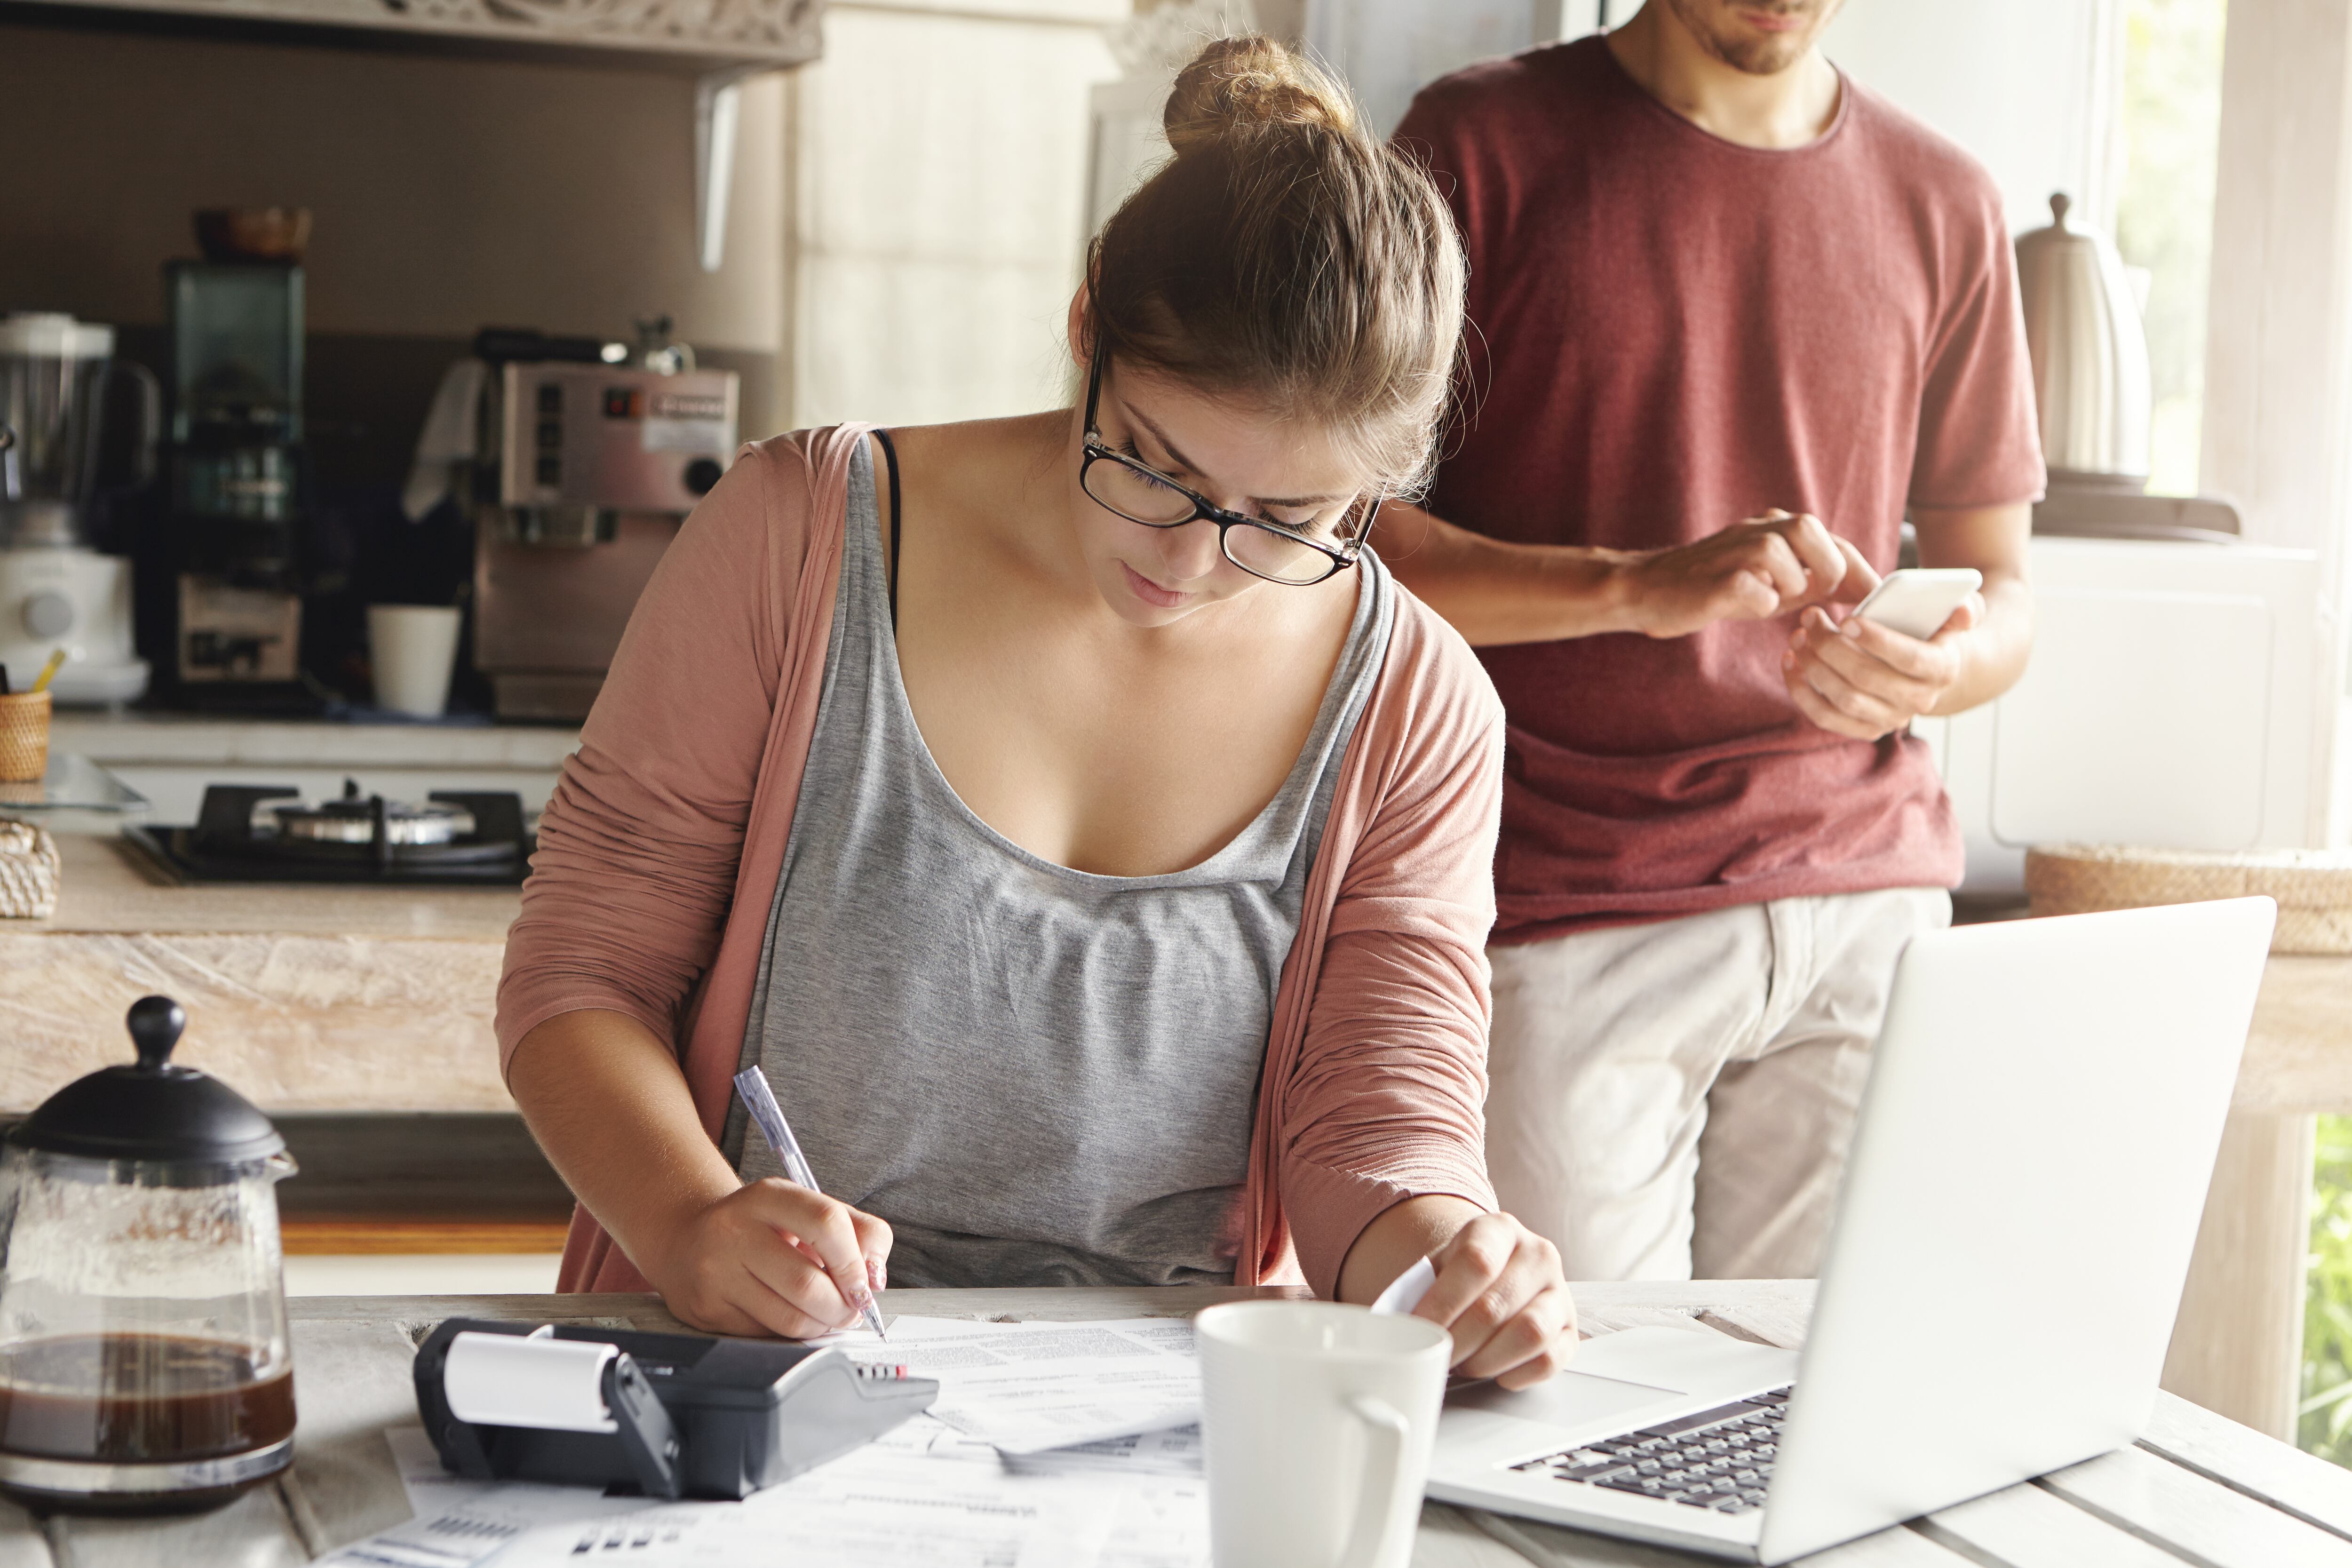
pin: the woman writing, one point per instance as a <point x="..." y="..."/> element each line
<point x="1068" y="813"/>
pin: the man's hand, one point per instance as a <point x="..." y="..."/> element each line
<point x="1753" y="570"/>
<point x="1861" y="679"/>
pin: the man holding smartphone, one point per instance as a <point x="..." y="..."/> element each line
<point x="1735" y="317"/>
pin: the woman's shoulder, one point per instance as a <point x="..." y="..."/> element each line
<point x="794" y="466"/>
<point x="1432" y="682"/>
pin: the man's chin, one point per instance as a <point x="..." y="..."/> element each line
<point x="1759" y="56"/>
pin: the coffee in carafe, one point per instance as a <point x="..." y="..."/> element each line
<point x="144" y="1365"/>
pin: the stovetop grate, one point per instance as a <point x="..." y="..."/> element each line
<point x="223" y="846"/>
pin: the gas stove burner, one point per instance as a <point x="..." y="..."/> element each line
<point x="245" y="834"/>
<point x="364" y="819"/>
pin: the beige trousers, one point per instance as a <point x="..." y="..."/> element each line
<point x="1674" y="1101"/>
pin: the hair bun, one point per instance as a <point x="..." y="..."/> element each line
<point x="1235" y="86"/>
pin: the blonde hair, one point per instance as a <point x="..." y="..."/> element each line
<point x="1287" y="255"/>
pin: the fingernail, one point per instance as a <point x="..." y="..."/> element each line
<point x="878" y="1275"/>
<point x="1852" y="627"/>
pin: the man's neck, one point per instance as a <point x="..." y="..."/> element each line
<point x="1787" y="109"/>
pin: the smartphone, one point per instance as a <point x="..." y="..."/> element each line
<point x="1918" y="600"/>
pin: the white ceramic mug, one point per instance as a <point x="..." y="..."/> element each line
<point x="414" y="649"/>
<point x="1318" y="1420"/>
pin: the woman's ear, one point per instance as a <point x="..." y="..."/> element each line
<point x="1081" y="329"/>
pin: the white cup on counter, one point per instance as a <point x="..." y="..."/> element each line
<point x="414" y="649"/>
<point x="1318" y="1420"/>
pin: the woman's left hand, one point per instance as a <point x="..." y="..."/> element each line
<point x="1500" y="1292"/>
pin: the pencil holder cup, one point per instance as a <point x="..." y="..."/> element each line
<point x="24" y="737"/>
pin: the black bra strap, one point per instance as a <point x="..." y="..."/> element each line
<point x="890" y="457"/>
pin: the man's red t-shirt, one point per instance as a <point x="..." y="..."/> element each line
<point x="1671" y="333"/>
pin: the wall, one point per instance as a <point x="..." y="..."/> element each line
<point x="2021" y="84"/>
<point x="1389" y="49"/>
<point x="938" y="207"/>
<point x="447" y="193"/>
<point x="2024" y="85"/>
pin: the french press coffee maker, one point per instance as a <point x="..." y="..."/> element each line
<point x="143" y="1359"/>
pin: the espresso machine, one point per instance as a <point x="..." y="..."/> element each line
<point x="587" y="468"/>
<point x="56" y="591"/>
<point x="235" y="492"/>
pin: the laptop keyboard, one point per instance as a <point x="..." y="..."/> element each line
<point x="1719" y="1459"/>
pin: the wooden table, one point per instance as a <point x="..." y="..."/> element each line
<point x="2213" y="1492"/>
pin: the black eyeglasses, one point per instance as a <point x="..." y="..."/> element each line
<point x="1259" y="547"/>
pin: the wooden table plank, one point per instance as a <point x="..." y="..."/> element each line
<point x="253" y="1532"/>
<point x="2240" y="1457"/>
<point x="2202" y="1520"/>
<point x="1449" y="1539"/>
<point x="22" y="1543"/>
<point x="350" y="1382"/>
<point x="2031" y="1527"/>
<point x="1551" y="1546"/>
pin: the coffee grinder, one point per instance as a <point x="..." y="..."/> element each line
<point x="236" y="490"/>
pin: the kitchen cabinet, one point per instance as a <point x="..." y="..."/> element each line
<point x="719" y="43"/>
<point x="2170" y="702"/>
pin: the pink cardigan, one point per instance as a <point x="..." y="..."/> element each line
<point x="659" y="853"/>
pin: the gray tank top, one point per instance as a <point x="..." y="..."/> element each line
<point x="1038" y="1076"/>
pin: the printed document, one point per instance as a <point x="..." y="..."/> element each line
<point x="1025" y="1388"/>
<point x="1051" y="1446"/>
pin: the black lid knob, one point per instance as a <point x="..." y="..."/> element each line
<point x="152" y="1110"/>
<point x="157" y="1023"/>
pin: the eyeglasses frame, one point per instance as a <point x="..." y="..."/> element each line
<point x="1096" y="450"/>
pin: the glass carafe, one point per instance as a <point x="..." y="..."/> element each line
<point x="144" y="1364"/>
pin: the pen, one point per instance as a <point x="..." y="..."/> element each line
<point x="760" y="1101"/>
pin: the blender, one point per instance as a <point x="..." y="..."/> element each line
<point x="54" y="590"/>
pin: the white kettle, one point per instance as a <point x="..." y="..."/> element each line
<point x="2090" y="356"/>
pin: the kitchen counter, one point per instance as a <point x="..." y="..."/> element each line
<point x="142" y="739"/>
<point x="170" y="758"/>
<point x="109" y="888"/>
<point x="304" y="998"/>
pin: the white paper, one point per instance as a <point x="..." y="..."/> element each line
<point x="1163" y="1522"/>
<point x="868" y="1509"/>
<point x="923" y="1495"/>
<point x="1028" y="1387"/>
<point x="432" y="1490"/>
<point x="1405" y="1292"/>
<point x="1173" y="1452"/>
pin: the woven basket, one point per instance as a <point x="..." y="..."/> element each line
<point x="2313" y="887"/>
<point x="24" y="737"/>
<point x="28" y="871"/>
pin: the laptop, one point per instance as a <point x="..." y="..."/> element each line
<point x="2024" y="1192"/>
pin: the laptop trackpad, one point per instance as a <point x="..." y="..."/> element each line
<point x="1571" y="1399"/>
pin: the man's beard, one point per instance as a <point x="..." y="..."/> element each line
<point x="1767" y="56"/>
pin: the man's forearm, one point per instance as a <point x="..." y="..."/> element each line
<point x="1997" y="651"/>
<point x="1996" y="541"/>
<point x="1496" y="592"/>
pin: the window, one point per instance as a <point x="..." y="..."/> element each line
<point x="2167" y="141"/>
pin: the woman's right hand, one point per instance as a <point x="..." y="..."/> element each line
<point x="765" y="1259"/>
